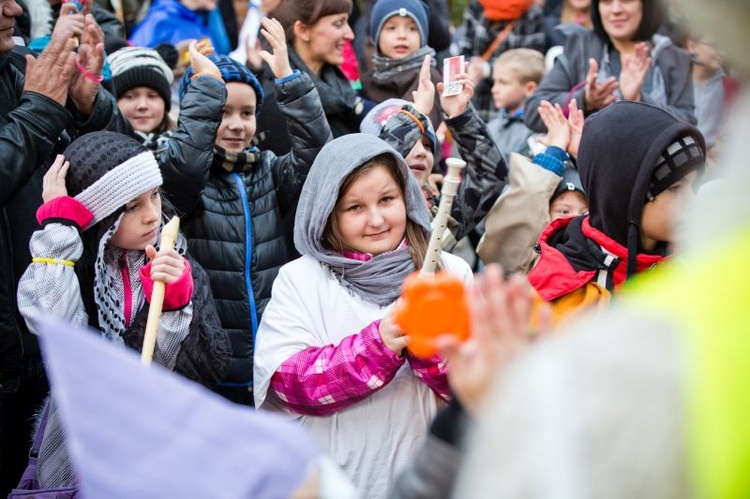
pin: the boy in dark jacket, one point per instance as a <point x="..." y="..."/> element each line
<point x="235" y="231"/>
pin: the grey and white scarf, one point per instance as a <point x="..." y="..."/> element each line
<point x="386" y="68"/>
<point x="379" y="279"/>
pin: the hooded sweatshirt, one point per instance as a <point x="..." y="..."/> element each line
<point x="616" y="164"/>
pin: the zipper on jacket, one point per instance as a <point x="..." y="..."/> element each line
<point x="248" y="253"/>
<point x="127" y="290"/>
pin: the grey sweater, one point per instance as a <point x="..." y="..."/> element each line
<point x="675" y="94"/>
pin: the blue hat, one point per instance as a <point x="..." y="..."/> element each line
<point x="230" y="70"/>
<point x="385" y="9"/>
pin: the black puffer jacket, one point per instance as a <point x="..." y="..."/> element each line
<point x="187" y="158"/>
<point x="32" y="129"/>
<point x="235" y="231"/>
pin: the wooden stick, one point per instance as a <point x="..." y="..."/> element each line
<point x="168" y="237"/>
<point x="440" y="223"/>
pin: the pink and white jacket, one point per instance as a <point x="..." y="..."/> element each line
<point x="319" y="357"/>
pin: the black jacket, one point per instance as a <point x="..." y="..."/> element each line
<point x="186" y="161"/>
<point x="32" y="129"/>
<point x="235" y="231"/>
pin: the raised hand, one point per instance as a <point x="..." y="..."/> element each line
<point x="598" y="95"/>
<point x="501" y="325"/>
<point x="273" y="32"/>
<point x="52" y="72"/>
<point x="166" y="267"/>
<point x="633" y="73"/>
<point x="198" y="51"/>
<point x="575" y="120"/>
<point x="84" y="88"/>
<point x="558" y="128"/>
<point x="70" y="23"/>
<point x="453" y="105"/>
<point x="53" y="185"/>
<point x="424" y="95"/>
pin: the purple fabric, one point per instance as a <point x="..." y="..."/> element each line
<point x="138" y="431"/>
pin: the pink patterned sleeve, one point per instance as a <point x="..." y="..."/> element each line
<point x="320" y="381"/>
<point x="432" y="372"/>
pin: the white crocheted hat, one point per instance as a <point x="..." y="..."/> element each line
<point x="108" y="170"/>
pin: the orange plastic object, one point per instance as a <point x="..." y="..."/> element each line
<point x="430" y="307"/>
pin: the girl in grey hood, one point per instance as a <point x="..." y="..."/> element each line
<point x="328" y="351"/>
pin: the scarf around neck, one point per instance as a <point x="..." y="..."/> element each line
<point x="385" y="68"/>
<point x="379" y="279"/>
<point x="336" y="93"/>
<point x="235" y="162"/>
<point x="154" y="142"/>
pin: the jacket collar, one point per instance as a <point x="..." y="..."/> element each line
<point x="572" y="253"/>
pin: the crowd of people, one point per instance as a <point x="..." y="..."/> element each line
<point x="303" y="144"/>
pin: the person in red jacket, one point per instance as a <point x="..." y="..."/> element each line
<point x="638" y="164"/>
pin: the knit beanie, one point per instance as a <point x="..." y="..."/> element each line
<point x="375" y="120"/>
<point x="230" y="70"/>
<point x="141" y="67"/>
<point x="385" y="9"/>
<point x="679" y="158"/>
<point x="108" y="170"/>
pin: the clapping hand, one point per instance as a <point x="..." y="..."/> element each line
<point x="598" y="95"/>
<point x="633" y="73"/>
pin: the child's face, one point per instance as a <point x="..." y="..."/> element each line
<point x="399" y="37"/>
<point x="140" y="222"/>
<point x="371" y="215"/>
<point x="508" y="91"/>
<point x="421" y="160"/>
<point x="568" y="204"/>
<point x="238" y="124"/>
<point x="143" y="107"/>
<point x="660" y="216"/>
<point x="325" y="40"/>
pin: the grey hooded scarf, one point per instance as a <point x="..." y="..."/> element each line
<point x="379" y="279"/>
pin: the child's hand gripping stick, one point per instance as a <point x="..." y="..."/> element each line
<point x="168" y="238"/>
<point x="433" y="305"/>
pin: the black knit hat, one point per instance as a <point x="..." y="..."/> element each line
<point x="141" y="67"/>
<point x="679" y="158"/>
<point x="108" y="170"/>
<point x="621" y="147"/>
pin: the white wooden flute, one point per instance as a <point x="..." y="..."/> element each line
<point x="440" y="224"/>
